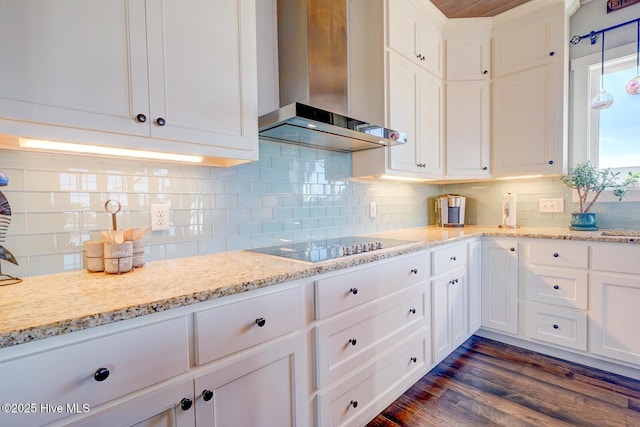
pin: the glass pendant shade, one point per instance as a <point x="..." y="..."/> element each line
<point x="633" y="87"/>
<point x="603" y="99"/>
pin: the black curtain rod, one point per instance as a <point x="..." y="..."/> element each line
<point x="592" y="35"/>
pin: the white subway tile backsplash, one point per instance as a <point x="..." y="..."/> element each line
<point x="292" y="193"/>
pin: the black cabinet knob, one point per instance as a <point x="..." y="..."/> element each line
<point x="414" y="271"/>
<point x="207" y="395"/>
<point x="185" y="404"/>
<point x="412" y="311"/>
<point x="552" y="53"/>
<point x="353" y="341"/>
<point x="413" y="360"/>
<point x="556" y="255"/>
<point x="550" y="162"/>
<point x="485" y="168"/>
<point x="141" y="118"/>
<point x="260" y="322"/>
<point x="453" y="258"/>
<point x="160" y="121"/>
<point x="353" y="291"/>
<point x="556" y="326"/>
<point x="101" y="374"/>
<point x="485" y="72"/>
<point x="556" y="287"/>
<point x="354" y="403"/>
<point x="512" y="249"/>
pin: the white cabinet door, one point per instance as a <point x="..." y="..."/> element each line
<point x="527" y="123"/>
<point x="202" y="72"/>
<point x="169" y="406"/>
<point x="415" y="107"/>
<point x="261" y="387"/>
<point x="430" y="125"/>
<point x="414" y="36"/>
<point x="468" y="58"/>
<point x="528" y="41"/>
<point x="500" y="285"/>
<point x="614" y="316"/>
<point x="74" y="63"/>
<point x="404" y="82"/>
<point x="468" y="129"/>
<point x="449" y="311"/>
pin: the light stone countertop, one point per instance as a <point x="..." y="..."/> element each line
<point x="51" y="305"/>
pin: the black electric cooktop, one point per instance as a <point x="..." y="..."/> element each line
<point x="323" y="250"/>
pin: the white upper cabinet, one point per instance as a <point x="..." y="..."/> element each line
<point x="468" y="55"/>
<point x="527" y="42"/>
<point x="159" y="75"/>
<point x="408" y="95"/>
<point x="414" y="36"/>
<point x="528" y="98"/>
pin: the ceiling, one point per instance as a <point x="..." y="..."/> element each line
<point x="475" y="8"/>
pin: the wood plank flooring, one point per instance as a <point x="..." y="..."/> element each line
<point x="488" y="383"/>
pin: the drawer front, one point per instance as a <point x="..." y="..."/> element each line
<point x="562" y="287"/>
<point x="348" y="341"/>
<point x="555" y="325"/>
<point x="135" y="359"/>
<point x="616" y="257"/>
<point x="359" y="399"/>
<point x="449" y="258"/>
<point x="559" y="254"/>
<point x="224" y="330"/>
<point x="341" y="292"/>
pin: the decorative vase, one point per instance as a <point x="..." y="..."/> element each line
<point x="584" y="221"/>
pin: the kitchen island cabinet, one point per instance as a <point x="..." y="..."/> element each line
<point x="129" y="74"/>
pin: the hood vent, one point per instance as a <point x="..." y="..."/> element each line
<point x="313" y="79"/>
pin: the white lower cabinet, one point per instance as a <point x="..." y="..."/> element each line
<point x="449" y="313"/>
<point x="170" y="406"/>
<point x="372" y="337"/>
<point x="474" y="286"/>
<point x="357" y="399"/>
<point x="261" y="387"/>
<point x="500" y="285"/>
<point x="614" y="316"/>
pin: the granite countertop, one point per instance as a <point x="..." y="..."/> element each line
<point x="51" y="305"/>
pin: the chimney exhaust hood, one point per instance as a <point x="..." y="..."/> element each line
<point x="313" y="80"/>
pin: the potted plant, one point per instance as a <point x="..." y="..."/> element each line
<point x="585" y="178"/>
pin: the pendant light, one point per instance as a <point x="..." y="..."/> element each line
<point x="603" y="99"/>
<point x="633" y="87"/>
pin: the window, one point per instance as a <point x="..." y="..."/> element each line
<point x="616" y="130"/>
<point x="610" y="137"/>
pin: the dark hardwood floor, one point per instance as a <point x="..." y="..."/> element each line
<point x="488" y="383"/>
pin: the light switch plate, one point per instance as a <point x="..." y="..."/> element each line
<point x="551" y="205"/>
<point x="373" y="210"/>
<point x="159" y="217"/>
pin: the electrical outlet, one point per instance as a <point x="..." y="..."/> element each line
<point x="159" y="217"/>
<point x="373" y="210"/>
<point x="551" y="205"/>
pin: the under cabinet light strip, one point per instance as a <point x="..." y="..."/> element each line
<point x="108" y="151"/>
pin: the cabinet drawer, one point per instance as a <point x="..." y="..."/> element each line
<point x="358" y="399"/>
<point x="616" y="257"/>
<point x="340" y="292"/>
<point x="135" y="358"/>
<point x="556" y="325"/>
<point x="224" y="330"/>
<point x="559" y="254"/>
<point x="449" y="258"/>
<point x="563" y="287"/>
<point x="349" y="340"/>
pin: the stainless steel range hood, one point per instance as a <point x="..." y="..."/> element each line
<point x="313" y="80"/>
